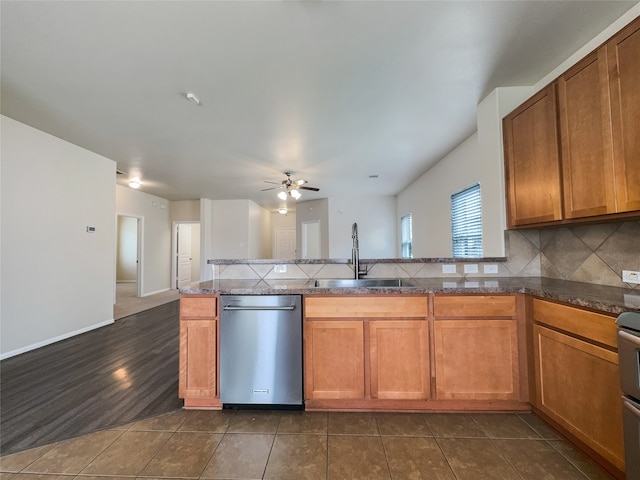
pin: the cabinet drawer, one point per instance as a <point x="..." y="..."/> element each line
<point x="382" y="306"/>
<point x="198" y="306"/>
<point x="591" y="325"/>
<point x="474" y="306"/>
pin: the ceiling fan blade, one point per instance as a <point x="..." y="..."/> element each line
<point x="314" y="189"/>
<point x="275" y="183"/>
<point x="265" y="189"/>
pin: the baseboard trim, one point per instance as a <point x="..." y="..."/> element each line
<point x="156" y="292"/>
<point x="49" y="341"/>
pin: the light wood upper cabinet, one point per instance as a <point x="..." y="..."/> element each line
<point x="532" y="161"/>
<point x="585" y="123"/>
<point x="623" y="52"/>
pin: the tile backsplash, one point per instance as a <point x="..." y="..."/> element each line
<point x="586" y="253"/>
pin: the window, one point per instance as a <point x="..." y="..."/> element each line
<point x="466" y="222"/>
<point x="406" y="236"/>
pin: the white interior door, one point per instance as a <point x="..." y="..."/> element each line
<point x="285" y="243"/>
<point x="184" y="255"/>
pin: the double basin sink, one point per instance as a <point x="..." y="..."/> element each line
<point x="364" y="283"/>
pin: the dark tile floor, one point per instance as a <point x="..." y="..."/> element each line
<point x="247" y="444"/>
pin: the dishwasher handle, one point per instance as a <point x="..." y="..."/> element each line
<point x="259" y="307"/>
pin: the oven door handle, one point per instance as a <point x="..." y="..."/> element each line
<point x="629" y="406"/>
<point x="631" y="338"/>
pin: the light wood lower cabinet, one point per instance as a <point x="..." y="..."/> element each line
<point x="366" y="352"/>
<point x="334" y="359"/>
<point x="198" y="358"/>
<point x="575" y="365"/>
<point x="399" y="359"/>
<point x="477" y="348"/>
<point x="476" y="359"/>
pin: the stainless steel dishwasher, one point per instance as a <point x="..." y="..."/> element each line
<point x="261" y="350"/>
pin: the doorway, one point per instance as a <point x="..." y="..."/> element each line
<point x="128" y="255"/>
<point x="185" y="263"/>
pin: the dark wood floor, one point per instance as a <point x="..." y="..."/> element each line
<point x="110" y="376"/>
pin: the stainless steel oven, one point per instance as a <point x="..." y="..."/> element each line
<point x="629" y="358"/>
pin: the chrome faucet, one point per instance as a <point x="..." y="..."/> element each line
<point x="355" y="253"/>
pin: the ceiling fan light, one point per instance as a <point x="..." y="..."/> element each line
<point x="295" y="194"/>
<point x="282" y="195"/>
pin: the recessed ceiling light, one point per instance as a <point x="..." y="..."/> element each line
<point x="192" y="98"/>
<point x="282" y="211"/>
<point x="134" y="182"/>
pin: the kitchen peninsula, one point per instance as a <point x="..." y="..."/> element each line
<point x="444" y="344"/>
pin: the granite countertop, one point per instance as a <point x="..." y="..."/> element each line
<point x="612" y="300"/>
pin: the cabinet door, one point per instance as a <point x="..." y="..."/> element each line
<point x="585" y="123"/>
<point x="532" y="161"/>
<point x="476" y="359"/>
<point x="577" y="385"/>
<point x="198" y="358"/>
<point x="334" y="359"/>
<point x="623" y="52"/>
<point x="399" y="359"/>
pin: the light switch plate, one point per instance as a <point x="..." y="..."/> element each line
<point x="280" y="269"/>
<point x="471" y="268"/>
<point x="491" y="268"/>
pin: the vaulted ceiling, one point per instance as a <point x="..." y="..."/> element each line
<point x="335" y="91"/>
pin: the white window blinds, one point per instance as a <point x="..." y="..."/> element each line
<point x="406" y="236"/>
<point x="466" y="222"/>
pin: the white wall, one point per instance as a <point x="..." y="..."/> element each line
<point x="184" y="210"/>
<point x="428" y="199"/>
<point x="260" y="237"/>
<point x="234" y="229"/>
<point x="378" y="228"/>
<point x="57" y="280"/>
<point x="156" y="236"/>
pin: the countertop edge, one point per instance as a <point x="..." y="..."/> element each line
<point x="609" y="300"/>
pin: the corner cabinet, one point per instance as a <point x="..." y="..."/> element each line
<point x="477" y="348"/>
<point x="198" y="358"/>
<point x="366" y="352"/>
<point x="575" y="364"/>
<point x="532" y="161"/>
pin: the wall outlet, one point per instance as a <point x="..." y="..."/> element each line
<point x="492" y="268"/>
<point x="280" y="269"/>
<point x="448" y="269"/>
<point x="471" y="268"/>
<point x="630" y="276"/>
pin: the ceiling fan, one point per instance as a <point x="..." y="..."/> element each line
<point x="290" y="188"/>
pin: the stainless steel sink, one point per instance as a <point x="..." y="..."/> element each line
<point x="364" y="283"/>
